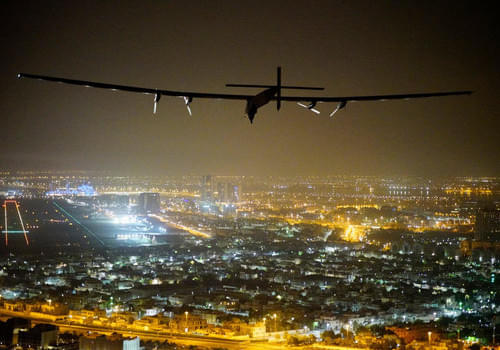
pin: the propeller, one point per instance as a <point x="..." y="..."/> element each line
<point x="341" y="105"/>
<point x="188" y="101"/>
<point x="310" y="107"/>
<point x="156" y="101"/>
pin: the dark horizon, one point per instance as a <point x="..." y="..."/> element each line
<point x="350" y="48"/>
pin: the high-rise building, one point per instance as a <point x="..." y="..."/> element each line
<point x="206" y="188"/>
<point x="235" y="192"/>
<point x="148" y="203"/>
<point x="222" y="192"/>
<point x="487" y="226"/>
<point x="227" y="192"/>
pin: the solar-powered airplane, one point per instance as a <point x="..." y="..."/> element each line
<point x="254" y="102"/>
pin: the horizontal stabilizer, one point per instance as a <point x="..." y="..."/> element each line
<point x="270" y="86"/>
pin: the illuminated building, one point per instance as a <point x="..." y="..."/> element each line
<point x="416" y="332"/>
<point x="467" y="246"/>
<point x="113" y="200"/>
<point x="84" y="190"/>
<point x="227" y="192"/>
<point x="206" y="188"/>
<point x="187" y="322"/>
<point x="148" y="203"/>
<point x="487" y="226"/>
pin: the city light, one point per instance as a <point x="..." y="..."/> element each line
<point x="238" y="271"/>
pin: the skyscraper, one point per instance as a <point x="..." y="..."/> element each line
<point x="148" y="203"/>
<point x="227" y="192"/>
<point x="206" y="188"/>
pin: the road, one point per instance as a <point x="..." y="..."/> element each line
<point x="178" y="338"/>
<point x="190" y="230"/>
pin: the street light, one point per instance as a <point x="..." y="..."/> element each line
<point x="429" y="334"/>
<point x="186" y="313"/>
<point x="275" y="327"/>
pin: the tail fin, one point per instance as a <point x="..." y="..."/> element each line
<point x="278" y="88"/>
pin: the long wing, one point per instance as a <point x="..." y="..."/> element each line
<point x="150" y="91"/>
<point x="141" y="90"/>
<point x="372" y="98"/>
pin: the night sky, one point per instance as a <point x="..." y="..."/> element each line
<point x="349" y="47"/>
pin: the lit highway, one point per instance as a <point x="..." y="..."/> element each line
<point x="192" y="231"/>
<point x="178" y="338"/>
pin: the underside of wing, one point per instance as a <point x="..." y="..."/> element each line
<point x="342" y="101"/>
<point x="136" y="89"/>
<point x="372" y="98"/>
